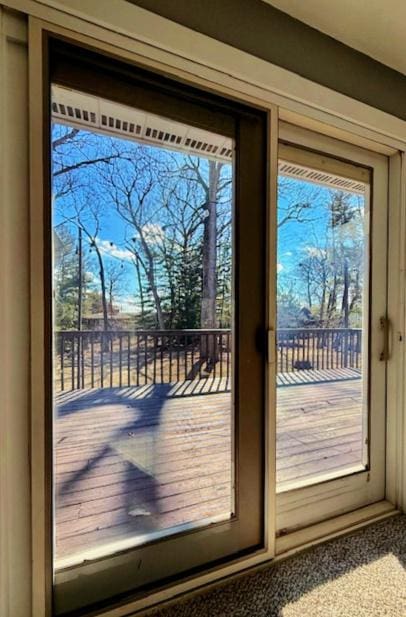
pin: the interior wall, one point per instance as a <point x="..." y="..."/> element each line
<point x="266" y="32"/>
<point x="15" y="498"/>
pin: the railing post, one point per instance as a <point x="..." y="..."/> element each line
<point x="62" y="347"/>
<point x="78" y="380"/>
<point x="128" y="359"/>
<point x="92" y="360"/>
<point x="346" y="349"/>
<point x="73" y="361"/>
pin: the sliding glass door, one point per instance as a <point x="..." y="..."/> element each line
<point x="156" y="328"/>
<point x="158" y="219"/>
<point x="330" y="344"/>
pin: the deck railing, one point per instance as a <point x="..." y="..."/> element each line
<point x="318" y="349"/>
<point x="100" y="359"/>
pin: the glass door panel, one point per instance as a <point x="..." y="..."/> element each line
<point x="158" y="383"/>
<point x="143" y="374"/>
<point x="322" y="335"/>
<point x="328" y="440"/>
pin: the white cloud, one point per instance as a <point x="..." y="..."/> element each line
<point x="279" y="267"/>
<point x="153" y="233"/>
<point x="110" y="249"/>
<point x="128" y="304"/>
<point x="314" y="251"/>
<point x="90" y="276"/>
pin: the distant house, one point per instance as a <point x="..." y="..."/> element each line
<point x="119" y="321"/>
<point x="290" y="318"/>
<point x="305" y="319"/>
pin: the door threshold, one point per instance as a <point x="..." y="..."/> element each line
<point x="339" y="525"/>
<point x="286" y="546"/>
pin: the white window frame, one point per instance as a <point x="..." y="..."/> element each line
<point x="134" y="34"/>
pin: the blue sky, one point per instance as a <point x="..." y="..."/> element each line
<point x="114" y="234"/>
<point x="296" y="240"/>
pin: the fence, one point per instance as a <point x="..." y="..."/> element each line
<point x="318" y="349"/>
<point x="106" y="359"/>
<point x="99" y="359"/>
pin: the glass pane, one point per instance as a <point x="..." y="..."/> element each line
<point x="322" y="301"/>
<point x="143" y="321"/>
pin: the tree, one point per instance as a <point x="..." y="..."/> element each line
<point x="209" y="252"/>
<point x="65" y="279"/>
<point x="131" y="185"/>
<point x="114" y="280"/>
<point x="85" y="215"/>
<point x="175" y="213"/>
<point x="216" y="188"/>
<point x="331" y="271"/>
<point x="74" y="152"/>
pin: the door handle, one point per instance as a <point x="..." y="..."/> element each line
<point x="385" y="327"/>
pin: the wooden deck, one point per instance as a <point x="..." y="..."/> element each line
<point x="131" y="462"/>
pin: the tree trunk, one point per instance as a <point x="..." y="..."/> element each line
<point x="80" y="279"/>
<point x="345" y="303"/>
<point x="332" y="301"/>
<point x="149" y="271"/>
<point x="209" y="287"/>
<point x="323" y="300"/>
<point x="140" y="289"/>
<point x="111" y="298"/>
<point x="103" y="288"/>
<point x="157" y="299"/>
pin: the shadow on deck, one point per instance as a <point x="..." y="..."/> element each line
<point x="131" y="462"/>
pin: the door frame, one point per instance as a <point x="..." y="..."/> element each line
<point x="82" y="70"/>
<point x="40" y="395"/>
<point x="347" y="119"/>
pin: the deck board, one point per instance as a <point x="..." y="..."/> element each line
<point x="131" y="461"/>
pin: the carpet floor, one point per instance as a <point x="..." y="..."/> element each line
<point x="360" y="575"/>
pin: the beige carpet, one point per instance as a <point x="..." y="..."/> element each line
<point x="361" y="575"/>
